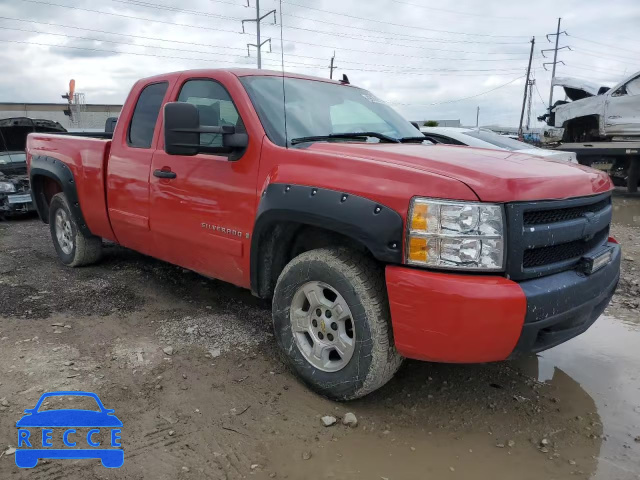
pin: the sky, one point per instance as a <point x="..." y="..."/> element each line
<point x="429" y="60"/>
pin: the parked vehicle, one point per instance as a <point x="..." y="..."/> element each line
<point x="15" y="195"/>
<point x="602" y="126"/>
<point x="482" y="138"/>
<point x="598" y="113"/>
<point x="372" y="244"/>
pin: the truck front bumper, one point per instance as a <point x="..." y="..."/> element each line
<point x="465" y="318"/>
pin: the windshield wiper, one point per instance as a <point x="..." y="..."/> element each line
<point x="412" y="139"/>
<point x="352" y="135"/>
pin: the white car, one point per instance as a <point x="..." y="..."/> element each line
<point x="482" y="138"/>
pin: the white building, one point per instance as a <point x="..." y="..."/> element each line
<point x="92" y="115"/>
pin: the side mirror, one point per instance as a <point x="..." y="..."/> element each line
<point x="182" y="131"/>
<point x="415" y="124"/>
<point x="622" y="91"/>
<point x="181" y="124"/>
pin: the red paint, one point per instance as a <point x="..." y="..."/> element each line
<point x="454" y="318"/>
<point x="436" y="316"/>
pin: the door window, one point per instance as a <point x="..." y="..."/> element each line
<point x="145" y="115"/>
<point x="215" y="107"/>
<point x="633" y="87"/>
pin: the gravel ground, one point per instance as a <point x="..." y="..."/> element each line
<point x="190" y="367"/>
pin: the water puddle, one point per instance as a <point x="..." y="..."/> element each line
<point x="626" y="211"/>
<point x="605" y="361"/>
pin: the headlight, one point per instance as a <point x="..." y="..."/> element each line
<point x="7" y="187"/>
<point x="455" y="235"/>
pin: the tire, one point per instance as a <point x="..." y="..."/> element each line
<point x="357" y="281"/>
<point x="74" y="249"/>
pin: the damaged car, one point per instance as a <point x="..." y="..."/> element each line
<point x="15" y="193"/>
<point x="597" y="112"/>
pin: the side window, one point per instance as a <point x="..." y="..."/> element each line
<point x="145" y="115"/>
<point x="633" y="87"/>
<point x="215" y="106"/>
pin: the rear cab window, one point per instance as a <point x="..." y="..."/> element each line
<point x="145" y="115"/>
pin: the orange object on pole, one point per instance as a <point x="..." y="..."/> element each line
<point x="72" y="89"/>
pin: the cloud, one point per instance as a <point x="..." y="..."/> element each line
<point x="418" y="58"/>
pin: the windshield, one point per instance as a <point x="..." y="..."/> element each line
<point x="501" y="141"/>
<point x="317" y="108"/>
<point x="13" y="157"/>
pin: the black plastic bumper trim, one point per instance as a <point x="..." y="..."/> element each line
<point x="564" y="305"/>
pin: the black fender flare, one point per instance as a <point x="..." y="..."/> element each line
<point x="376" y="226"/>
<point x="43" y="166"/>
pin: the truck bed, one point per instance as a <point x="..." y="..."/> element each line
<point x="86" y="158"/>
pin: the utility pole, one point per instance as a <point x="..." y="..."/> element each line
<point x="478" y="117"/>
<point x="555" y="59"/>
<point x="258" y="43"/>
<point x="332" y="67"/>
<point x="532" y="82"/>
<point x="526" y="84"/>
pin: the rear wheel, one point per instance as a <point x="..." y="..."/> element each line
<point x="331" y="320"/>
<point x="74" y="248"/>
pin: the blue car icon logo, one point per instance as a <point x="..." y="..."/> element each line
<point x="36" y="433"/>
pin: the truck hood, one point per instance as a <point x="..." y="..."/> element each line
<point x="577" y="89"/>
<point x="494" y="175"/>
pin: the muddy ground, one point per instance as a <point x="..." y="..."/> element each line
<point x="190" y="367"/>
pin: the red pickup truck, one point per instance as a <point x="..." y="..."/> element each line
<point x="372" y="244"/>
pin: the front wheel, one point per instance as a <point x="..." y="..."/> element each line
<point x="331" y="319"/>
<point x="74" y="248"/>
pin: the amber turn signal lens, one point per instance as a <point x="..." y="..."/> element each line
<point x="418" y="249"/>
<point x="419" y="217"/>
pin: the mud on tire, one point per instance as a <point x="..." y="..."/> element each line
<point x="73" y="247"/>
<point x="359" y="280"/>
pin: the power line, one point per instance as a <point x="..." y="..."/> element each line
<point x="235" y="4"/>
<point x="535" y="85"/>
<point x="430" y="8"/>
<point x="146" y="4"/>
<point x="618" y="47"/>
<point x="121" y="34"/>
<point x="403" y="36"/>
<point x="592" y="69"/>
<point x="584" y="66"/>
<point x="605" y="56"/>
<point x="463" y="98"/>
<point x="296" y="64"/>
<point x="386" y="39"/>
<point x="66" y="35"/>
<point x="115" y="51"/>
<point x="140" y="3"/>
<point x="404" y="55"/>
<point x="153" y="20"/>
<point x="258" y="21"/>
<point x="350" y="62"/>
<point x="402" y="25"/>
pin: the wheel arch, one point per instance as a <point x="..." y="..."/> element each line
<point x="49" y="176"/>
<point x="292" y="219"/>
<point x="583" y="122"/>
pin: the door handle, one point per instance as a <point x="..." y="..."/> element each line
<point x="164" y="174"/>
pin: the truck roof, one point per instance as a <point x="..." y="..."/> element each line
<point x="238" y="72"/>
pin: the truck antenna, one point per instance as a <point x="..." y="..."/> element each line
<point x="284" y="96"/>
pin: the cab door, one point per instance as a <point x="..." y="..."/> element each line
<point x="129" y="163"/>
<point x="203" y="206"/>
<point x="622" y="109"/>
